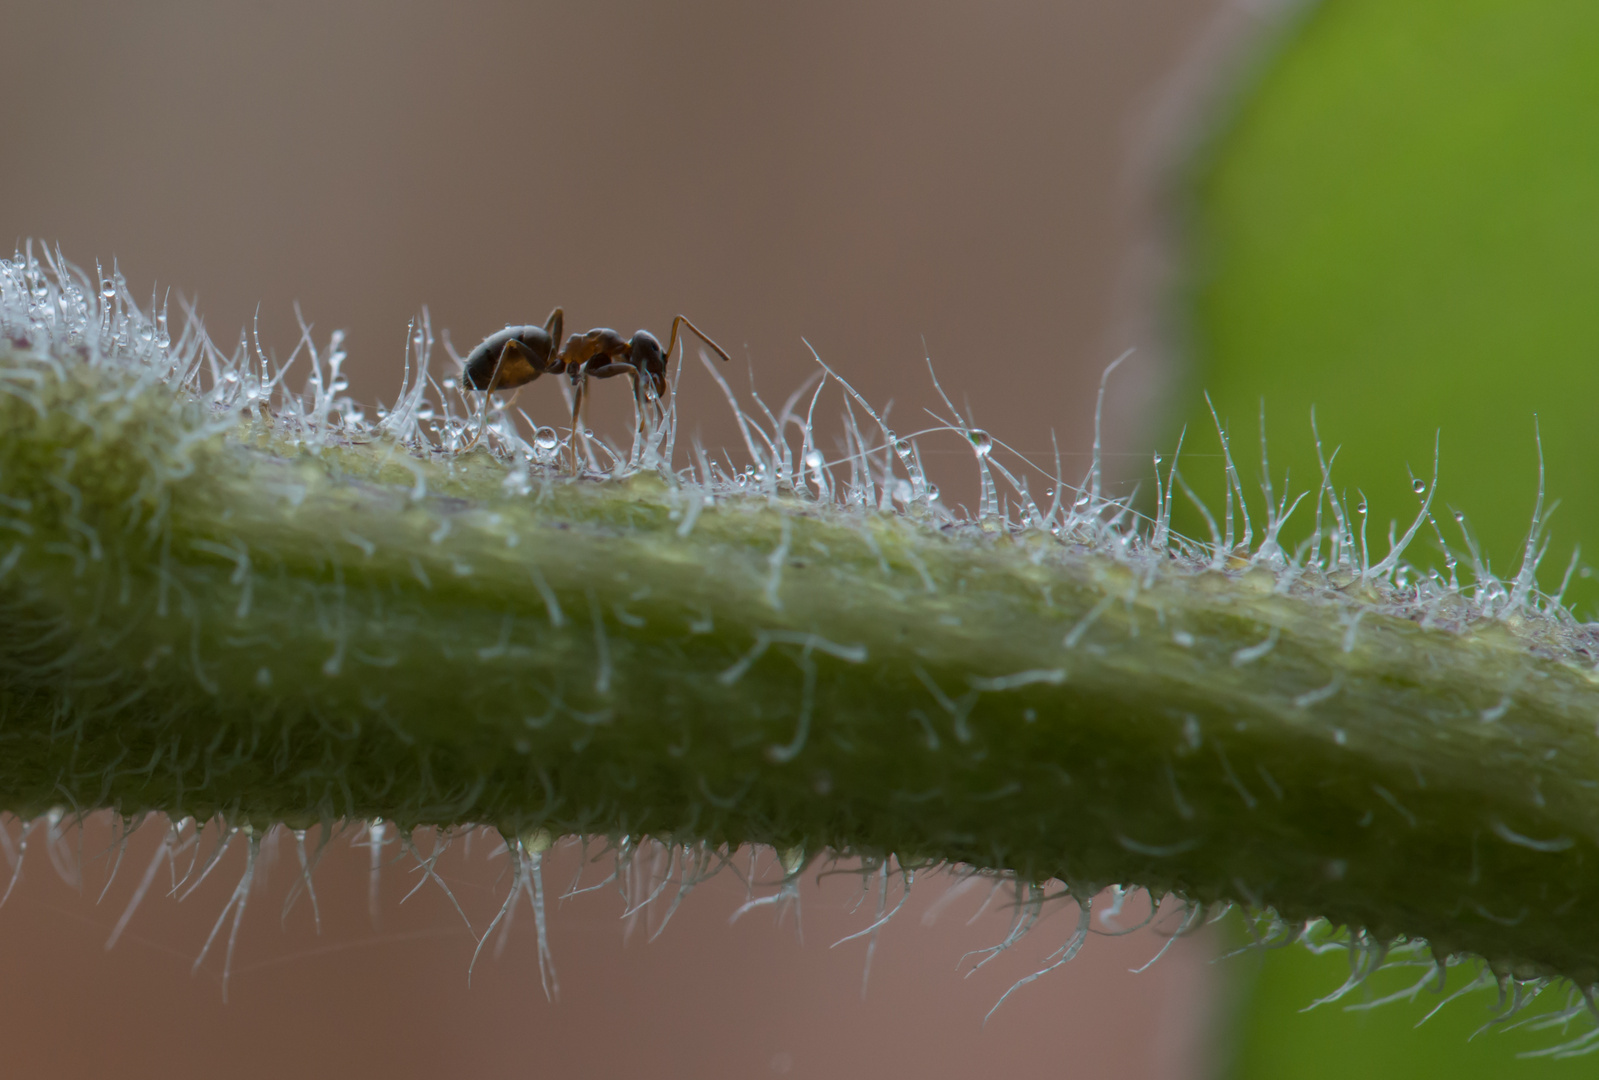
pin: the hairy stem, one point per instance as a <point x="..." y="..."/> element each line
<point x="205" y="612"/>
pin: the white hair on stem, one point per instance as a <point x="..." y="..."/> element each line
<point x="56" y="316"/>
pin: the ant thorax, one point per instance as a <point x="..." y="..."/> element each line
<point x="579" y="349"/>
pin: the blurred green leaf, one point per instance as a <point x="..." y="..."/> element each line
<point x="1281" y="1040"/>
<point x="1400" y="227"/>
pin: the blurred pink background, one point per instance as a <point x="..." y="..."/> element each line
<point x="984" y="178"/>
<point x="705" y="998"/>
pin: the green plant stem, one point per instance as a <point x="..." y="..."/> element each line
<point x="205" y="615"/>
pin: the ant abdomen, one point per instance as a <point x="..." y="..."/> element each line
<point x="524" y="361"/>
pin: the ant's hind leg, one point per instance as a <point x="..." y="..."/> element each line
<point x="553" y="327"/>
<point x="511" y="350"/>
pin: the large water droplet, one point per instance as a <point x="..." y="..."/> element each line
<point x="813" y="459"/>
<point x="108" y="289"/>
<point x="1418" y="486"/>
<point x="903" y="448"/>
<point x="545" y="441"/>
<point x="981" y="443"/>
<point x="1361" y="509"/>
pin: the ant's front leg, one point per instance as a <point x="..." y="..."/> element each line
<point x="649" y="363"/>
<point x="615" y="368"/>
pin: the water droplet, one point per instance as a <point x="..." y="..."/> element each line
<point x="588" y="433"/>
<point x="932" y="492"/>
<point x="108" y="289"/>
<point x="902" y="491"/>
<point x="546" y="442"/>
<point x="813" y="459"/>
<point x="903" y="448"/>
<point x="1361" y="509"/>
<point x="1460" y="517"/>
<point x="1157" y="459"/>
<point x="450" y="383"/>
<point x="981" y="443"/>
<point x="1082" y="501"/>
<point x="424" y="411"/>
<point x="1418" y="486"/>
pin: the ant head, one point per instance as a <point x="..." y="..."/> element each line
<point x="647" y="356"/>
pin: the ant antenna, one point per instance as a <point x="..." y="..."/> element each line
<point x="684" y="320"/>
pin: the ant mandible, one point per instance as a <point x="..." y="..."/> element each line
<point x="517" y="355"/>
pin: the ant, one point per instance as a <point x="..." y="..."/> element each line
<point x="517" y="355"/>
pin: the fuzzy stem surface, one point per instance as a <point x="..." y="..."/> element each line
<point x="206" y="613"/>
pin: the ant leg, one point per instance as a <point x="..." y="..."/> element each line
<point x="656" y="391"/>
<point x="578" y="386"/>
<point x="552" y="327"/>
<point x="611" y="370"/>
<point x="512" y="349"/>
<point x="682" y="320"/>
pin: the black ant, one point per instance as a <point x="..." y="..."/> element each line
<point x="517" y="355"/>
